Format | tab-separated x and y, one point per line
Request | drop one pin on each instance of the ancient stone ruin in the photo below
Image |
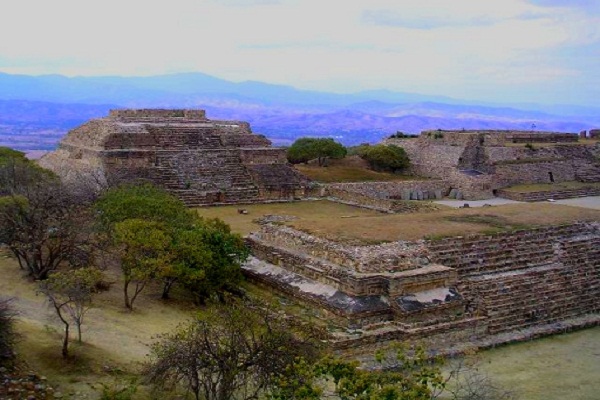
480	290
199	160
478	163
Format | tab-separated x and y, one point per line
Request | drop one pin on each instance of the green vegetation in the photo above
7	332
239	350
402	135
18	173
305	149
385	158
158	238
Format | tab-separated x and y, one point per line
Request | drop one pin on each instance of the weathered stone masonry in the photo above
441	292
479	162
201	161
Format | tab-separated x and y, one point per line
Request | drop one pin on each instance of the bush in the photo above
7	333
305	149
386	158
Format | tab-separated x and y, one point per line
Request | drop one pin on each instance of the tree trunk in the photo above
126	294
65	346
167	288
78	332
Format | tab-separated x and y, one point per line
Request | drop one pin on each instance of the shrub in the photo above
305	149
387	158
7	333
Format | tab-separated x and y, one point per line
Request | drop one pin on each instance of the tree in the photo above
145	202
233	351
70	294
144	248
382	157
7	332
306	149
210	258
17	173
45	227
201	254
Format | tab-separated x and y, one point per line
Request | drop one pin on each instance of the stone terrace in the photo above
201	161
445	291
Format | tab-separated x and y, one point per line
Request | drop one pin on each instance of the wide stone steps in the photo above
503	252
538	295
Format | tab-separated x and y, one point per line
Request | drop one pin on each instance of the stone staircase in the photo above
201	179
502	252
528	294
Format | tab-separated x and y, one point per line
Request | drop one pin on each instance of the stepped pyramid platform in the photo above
202	161
447	292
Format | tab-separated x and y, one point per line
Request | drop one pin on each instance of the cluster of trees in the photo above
157	238
64	236
247	351
380	157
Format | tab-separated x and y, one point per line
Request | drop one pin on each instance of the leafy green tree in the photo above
306	149
144	248
145	202
17	173
207	258
203	255
387	158
70	294
230	352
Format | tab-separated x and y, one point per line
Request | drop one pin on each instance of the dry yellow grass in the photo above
380	228
319	209
115	342
349	169
355	225
547	187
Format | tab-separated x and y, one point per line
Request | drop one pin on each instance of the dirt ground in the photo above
115	341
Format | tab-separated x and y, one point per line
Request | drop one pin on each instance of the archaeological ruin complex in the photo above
478	163
480	290
199	160
462	289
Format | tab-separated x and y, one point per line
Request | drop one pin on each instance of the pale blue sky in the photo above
494	50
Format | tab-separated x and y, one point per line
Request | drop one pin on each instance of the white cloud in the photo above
462	48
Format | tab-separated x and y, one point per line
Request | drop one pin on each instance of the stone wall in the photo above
513	280
157	114
390	257
549	194
478	162
391	190
379	204
509	174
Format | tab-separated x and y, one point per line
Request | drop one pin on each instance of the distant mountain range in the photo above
35	111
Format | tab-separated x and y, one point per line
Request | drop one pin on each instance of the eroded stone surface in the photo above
199	160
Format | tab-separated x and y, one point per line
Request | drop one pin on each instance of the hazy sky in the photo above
497	50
